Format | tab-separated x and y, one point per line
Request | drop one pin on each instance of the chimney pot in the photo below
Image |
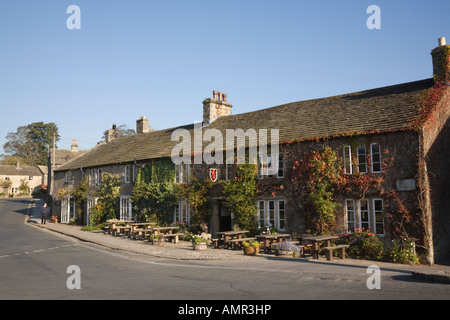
220	96
215	94
224	97
442	41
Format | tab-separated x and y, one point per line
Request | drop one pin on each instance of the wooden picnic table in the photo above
317	240
135	228
228	235
113	227
267	239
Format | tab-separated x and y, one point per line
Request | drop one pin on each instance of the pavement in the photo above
183	250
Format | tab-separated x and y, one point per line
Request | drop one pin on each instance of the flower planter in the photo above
250	250
201	246
157	242
284	253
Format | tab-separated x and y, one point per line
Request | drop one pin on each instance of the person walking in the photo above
44	212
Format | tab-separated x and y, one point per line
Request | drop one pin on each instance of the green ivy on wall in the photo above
155	192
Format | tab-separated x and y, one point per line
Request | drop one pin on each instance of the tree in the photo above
31	142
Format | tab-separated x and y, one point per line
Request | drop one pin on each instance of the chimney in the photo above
74	147
215	107
17	164
441	62
142	125
111	134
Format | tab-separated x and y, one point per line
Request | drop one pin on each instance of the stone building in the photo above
393	143
20	180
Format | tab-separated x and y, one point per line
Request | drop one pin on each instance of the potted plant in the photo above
251	248
286	249
156	239
199	243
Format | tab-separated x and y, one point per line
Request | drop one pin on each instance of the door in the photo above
67	209
224	217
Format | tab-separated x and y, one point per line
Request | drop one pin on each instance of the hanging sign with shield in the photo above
213	174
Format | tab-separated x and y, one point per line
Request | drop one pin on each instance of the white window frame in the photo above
375	222
91	203
272	217
360	214
358	155
182	173
347	211
67	209
347	159
126	208
128	173
68	177
372	158
182	212
93	177
268	166
261	214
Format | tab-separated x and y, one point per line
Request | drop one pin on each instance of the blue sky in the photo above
161	58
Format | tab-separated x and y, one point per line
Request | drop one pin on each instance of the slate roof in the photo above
19	171
378	110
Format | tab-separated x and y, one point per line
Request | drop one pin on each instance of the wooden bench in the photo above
216	242
120	229
173	237
237	243
303	247
340	248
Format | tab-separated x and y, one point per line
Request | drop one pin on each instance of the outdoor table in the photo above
228	235
135	226
268	238
112	224
316	241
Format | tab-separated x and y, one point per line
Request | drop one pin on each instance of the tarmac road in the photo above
34	265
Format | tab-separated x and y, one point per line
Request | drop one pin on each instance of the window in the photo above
91	203
128	174
271	213
367	215
362	161
261	214
270	165
182	172
280	173
364	214
228	172
378	216
182	212
93	177
375	155
68	177
350	214
99	176
30	178
125	208
347	155
281	215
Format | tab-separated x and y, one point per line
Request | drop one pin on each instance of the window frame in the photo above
358	159
347	158
372	162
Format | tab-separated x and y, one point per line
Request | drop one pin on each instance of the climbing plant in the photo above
108	200
197	193
154	193
241	195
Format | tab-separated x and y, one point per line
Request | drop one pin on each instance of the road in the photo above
34	265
